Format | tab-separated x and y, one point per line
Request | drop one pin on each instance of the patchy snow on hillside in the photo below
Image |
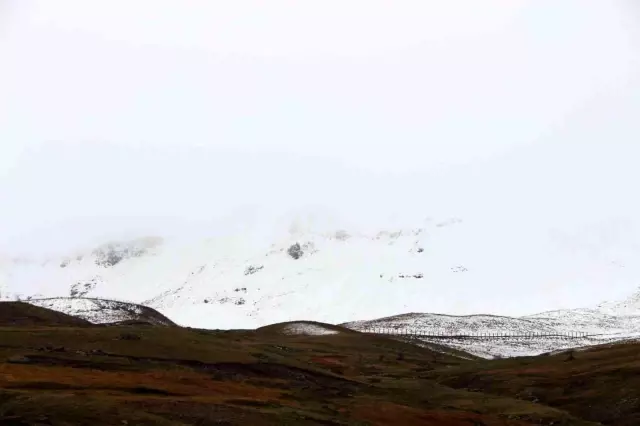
307	329
513	347
100	311
559	329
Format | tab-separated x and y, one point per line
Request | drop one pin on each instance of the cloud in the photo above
139	115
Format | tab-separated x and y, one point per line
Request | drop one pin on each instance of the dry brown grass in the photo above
175	383
174	376
601	384
384	413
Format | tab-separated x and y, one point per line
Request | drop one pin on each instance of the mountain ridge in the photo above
246	276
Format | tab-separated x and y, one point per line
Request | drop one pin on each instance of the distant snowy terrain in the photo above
265	269
512	347
597	326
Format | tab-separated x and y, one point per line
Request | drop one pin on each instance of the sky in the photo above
137	117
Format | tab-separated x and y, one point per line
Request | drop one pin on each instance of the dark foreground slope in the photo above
23	314
601	383
56	373
140	375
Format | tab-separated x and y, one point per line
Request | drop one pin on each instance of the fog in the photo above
161	117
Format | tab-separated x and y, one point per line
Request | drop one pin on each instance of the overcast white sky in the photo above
132	114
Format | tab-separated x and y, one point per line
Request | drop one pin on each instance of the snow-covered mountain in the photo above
264	268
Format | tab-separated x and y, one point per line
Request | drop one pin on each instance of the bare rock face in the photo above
82	288
111	254
252	269
295	251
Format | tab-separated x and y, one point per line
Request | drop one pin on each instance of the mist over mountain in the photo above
465	160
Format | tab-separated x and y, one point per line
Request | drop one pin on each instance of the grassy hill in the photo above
600	383
71	374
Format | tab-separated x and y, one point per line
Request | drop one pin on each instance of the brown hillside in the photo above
298	327
24	314
601	384
141	375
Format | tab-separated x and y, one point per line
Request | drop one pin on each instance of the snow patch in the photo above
98	311
307	329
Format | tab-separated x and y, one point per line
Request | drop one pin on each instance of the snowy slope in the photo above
627	306
513	347
245	276
99	311
307	329
599	325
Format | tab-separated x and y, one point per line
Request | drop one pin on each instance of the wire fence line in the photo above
447	334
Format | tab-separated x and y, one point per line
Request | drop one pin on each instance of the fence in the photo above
445	334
